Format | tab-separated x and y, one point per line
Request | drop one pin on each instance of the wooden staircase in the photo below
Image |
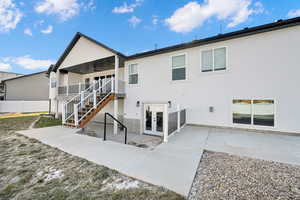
105	99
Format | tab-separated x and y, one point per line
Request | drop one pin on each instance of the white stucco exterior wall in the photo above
261	66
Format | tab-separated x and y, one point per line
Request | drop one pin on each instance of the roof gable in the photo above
88	49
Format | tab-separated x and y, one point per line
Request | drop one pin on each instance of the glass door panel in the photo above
159	121
148	120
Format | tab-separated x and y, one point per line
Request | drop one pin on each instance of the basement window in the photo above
133	74
179	67
254	112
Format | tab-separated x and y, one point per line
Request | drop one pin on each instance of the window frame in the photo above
185	66
129	74
252	125
213	59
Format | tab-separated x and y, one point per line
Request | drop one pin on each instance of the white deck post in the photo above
166	120
67	89
79	88
75	115
112	85
81	98
116	101
105	86
99	86
178	118
95	95
63	113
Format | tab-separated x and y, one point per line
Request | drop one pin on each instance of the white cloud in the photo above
134	21
38	23
65	9
125	8
154	20
293	13
5	67
90	5
27	62
28	31
48	30
10	15
193	14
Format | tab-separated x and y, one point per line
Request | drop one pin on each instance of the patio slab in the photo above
173	168
172	165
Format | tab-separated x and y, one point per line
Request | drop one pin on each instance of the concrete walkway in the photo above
173	164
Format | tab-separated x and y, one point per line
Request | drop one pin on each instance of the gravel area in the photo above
224	176
32	170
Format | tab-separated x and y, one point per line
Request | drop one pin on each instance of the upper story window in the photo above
178	67
133	74
214	59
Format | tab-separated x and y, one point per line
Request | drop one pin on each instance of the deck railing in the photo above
78	88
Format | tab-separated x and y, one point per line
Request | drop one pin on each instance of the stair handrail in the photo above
88	96
120	123
78	95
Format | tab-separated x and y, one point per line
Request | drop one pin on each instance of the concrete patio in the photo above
173	164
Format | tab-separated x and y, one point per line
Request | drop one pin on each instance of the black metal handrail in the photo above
120	123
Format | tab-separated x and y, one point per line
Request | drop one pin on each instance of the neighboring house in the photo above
31	87
245	79
4	76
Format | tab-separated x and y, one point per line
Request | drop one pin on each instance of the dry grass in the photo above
32	170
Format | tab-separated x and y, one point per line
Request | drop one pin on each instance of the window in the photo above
178	67
263	112
87	83
53	84
133	74
242	111
213	60
255	112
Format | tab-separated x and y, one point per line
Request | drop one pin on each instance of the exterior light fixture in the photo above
138	104
169	104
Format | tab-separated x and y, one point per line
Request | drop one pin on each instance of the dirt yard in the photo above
32	170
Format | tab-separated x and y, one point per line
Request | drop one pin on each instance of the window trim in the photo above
137	72
252	125
171	66
213	59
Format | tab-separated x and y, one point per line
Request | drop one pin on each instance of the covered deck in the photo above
80	77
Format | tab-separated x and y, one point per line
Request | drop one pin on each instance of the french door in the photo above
154	119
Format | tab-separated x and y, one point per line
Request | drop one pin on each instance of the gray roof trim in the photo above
27	75
280	24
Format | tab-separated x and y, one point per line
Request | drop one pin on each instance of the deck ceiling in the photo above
94	66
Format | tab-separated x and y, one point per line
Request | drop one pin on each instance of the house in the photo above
4	76
31	87
245	79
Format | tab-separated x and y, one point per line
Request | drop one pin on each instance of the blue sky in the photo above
34	33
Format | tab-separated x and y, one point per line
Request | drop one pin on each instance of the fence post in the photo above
63	113
75	115
104	134
178	118
166	121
